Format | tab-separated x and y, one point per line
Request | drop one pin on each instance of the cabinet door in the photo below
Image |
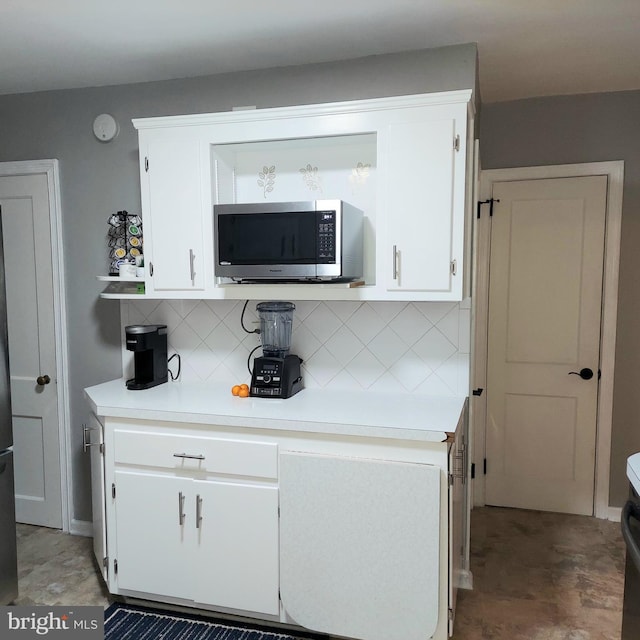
459	512
425	206
359	546
457	458
153	542
237	546
173	216
94	439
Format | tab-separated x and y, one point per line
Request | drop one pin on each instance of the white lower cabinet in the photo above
360	546
192	518
343	535
206	541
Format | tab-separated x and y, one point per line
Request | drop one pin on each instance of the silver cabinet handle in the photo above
86	443
188	455
198	511
181	508
461	457
151	268
395	262
192	257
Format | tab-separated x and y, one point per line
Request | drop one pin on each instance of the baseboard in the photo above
81	528
465	580
614	514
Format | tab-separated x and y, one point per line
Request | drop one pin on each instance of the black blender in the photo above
277	373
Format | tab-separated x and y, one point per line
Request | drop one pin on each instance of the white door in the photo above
545	295
32	351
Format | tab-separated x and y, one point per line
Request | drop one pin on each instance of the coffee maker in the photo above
277	373
149	345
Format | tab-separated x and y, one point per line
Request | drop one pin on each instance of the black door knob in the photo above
42	380
585	374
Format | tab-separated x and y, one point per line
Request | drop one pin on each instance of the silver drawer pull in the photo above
198	511
181	508
188	455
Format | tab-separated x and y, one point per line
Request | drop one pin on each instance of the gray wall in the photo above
98	179
587	128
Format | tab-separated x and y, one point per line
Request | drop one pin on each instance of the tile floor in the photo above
542	576
57	569
537	576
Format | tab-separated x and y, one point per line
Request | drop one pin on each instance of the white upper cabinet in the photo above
176	243
425	182
402	160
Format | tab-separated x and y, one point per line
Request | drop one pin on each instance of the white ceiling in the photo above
526	47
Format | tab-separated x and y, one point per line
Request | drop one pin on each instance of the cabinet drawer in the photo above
194	453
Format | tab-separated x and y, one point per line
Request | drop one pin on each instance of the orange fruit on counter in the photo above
243	393
244	387
235	390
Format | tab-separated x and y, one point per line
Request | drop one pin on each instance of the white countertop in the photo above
359	413
633	471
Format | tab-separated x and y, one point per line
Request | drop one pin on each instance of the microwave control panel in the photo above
327	236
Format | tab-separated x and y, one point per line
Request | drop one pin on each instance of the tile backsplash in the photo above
411	347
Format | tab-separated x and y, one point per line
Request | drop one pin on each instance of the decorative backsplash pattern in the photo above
414	347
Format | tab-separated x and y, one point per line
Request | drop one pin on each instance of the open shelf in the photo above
119	279
122	288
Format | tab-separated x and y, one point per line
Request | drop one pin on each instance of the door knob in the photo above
585	374
42	380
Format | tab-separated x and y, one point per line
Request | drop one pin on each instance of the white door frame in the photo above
50	168
615	173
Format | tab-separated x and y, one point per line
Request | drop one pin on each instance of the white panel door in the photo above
547	246
32	353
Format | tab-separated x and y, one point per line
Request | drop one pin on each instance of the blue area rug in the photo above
129	622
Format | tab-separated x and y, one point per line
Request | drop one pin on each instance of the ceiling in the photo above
526	48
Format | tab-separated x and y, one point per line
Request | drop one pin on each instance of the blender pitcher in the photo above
276	320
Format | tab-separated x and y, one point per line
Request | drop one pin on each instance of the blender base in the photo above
276	377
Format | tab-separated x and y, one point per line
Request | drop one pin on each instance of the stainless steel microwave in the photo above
318	240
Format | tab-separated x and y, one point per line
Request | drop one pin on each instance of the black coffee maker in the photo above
149	345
